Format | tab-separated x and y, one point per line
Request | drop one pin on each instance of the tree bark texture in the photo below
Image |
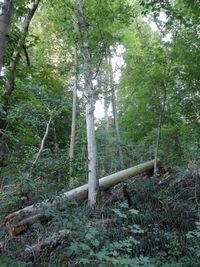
160	127
51	242
6	10
106	98
90	106
115	114
22	226
56	151
73	125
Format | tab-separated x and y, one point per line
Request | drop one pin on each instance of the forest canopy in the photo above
88	89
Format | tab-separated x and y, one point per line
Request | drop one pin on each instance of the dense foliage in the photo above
145	58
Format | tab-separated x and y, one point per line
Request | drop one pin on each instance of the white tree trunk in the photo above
106	100
73	125
92	178
106	105
90	105
102	82
115	113
6	10
163	104
56	151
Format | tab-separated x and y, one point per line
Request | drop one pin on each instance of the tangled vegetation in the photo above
88	89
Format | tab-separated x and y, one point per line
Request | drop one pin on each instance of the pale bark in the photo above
56	150
102	85
90	105
80	193
115	114
106	100
42	143
164	88
53	241
106	105
6	11
73	125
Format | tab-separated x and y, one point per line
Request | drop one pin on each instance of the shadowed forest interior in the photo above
99	133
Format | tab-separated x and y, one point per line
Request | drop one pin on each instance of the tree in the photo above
115	112
73	124
10	76
88	94
6	10
160	121
8	87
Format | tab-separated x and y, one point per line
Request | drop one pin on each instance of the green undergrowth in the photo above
160	228
6	261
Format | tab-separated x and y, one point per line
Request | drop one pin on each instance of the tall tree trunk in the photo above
6	10
9	85
157	144
115	114
73	125
56	151
106	99
162	111
90	105
106	105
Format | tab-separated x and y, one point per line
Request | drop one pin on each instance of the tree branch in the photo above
27	56
42	143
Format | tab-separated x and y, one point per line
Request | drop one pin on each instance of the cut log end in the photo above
51	242
23	226
79	193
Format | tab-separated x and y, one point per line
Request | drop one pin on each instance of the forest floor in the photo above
154	222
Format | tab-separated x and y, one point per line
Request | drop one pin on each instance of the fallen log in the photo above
113	195
79	193
50	243
24	225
